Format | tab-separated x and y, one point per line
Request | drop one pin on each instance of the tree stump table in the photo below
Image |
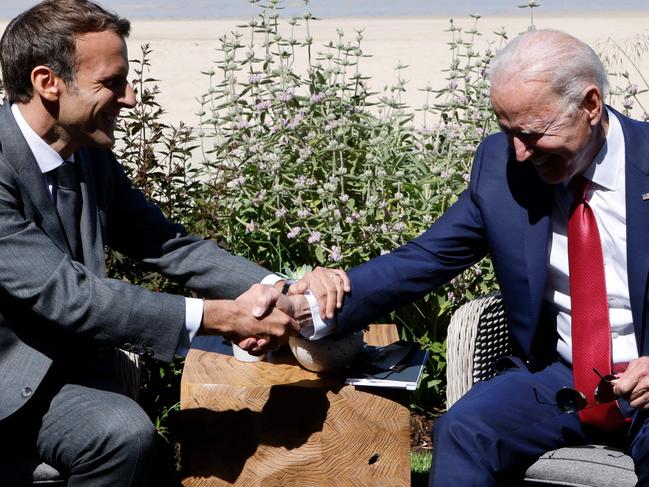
275	424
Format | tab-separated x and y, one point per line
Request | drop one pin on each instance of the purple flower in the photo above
300	182
291	124
286	95
263	105
251	227
279	213
294	232
306	153
242	123
317	97
314	237
335	255
254	79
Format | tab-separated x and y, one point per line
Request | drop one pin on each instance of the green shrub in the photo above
312	168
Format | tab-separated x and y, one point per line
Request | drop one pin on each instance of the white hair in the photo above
551	56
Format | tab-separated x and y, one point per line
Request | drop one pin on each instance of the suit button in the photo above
149	353
26	392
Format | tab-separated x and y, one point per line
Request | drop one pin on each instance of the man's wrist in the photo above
284	285
215	313
301	310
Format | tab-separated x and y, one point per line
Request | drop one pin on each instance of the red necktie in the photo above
591	329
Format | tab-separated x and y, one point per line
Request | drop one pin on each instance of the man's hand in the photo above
254	320
327	285
295	306
633	384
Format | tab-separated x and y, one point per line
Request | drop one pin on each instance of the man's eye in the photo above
111	83
528	137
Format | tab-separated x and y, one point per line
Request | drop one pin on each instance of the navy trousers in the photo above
501	426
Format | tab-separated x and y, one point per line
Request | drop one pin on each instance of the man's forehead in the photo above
533	100
91	42
97	48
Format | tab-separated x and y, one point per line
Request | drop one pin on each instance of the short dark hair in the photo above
46	35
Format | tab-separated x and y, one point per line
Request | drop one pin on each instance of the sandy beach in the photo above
184	48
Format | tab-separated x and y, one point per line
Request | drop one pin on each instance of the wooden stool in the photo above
275	424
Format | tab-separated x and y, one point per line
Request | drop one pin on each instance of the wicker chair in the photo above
31	471
477	335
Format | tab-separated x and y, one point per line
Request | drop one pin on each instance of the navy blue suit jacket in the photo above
505	212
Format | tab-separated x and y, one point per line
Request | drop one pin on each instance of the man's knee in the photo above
102	431
125	429
458	425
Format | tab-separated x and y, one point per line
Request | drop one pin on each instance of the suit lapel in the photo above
537	234
533	206
30	178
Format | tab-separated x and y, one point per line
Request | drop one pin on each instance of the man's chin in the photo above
101	141
549	177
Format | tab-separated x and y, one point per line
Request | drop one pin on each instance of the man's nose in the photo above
522	150
128	97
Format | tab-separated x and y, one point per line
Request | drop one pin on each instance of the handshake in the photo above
263	317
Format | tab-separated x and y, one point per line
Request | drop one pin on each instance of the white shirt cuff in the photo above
271	279
320	328
193	318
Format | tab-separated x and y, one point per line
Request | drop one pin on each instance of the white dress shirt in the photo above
606	198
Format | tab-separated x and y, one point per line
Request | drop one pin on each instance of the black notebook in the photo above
398	365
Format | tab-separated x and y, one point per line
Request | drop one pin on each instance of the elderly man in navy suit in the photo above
558	199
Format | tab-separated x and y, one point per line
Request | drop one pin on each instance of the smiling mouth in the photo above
111	119
540	162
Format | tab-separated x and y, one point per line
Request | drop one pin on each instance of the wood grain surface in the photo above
276	424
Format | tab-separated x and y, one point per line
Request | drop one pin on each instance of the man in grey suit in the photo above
65	67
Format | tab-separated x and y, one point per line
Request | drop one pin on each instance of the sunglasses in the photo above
570	400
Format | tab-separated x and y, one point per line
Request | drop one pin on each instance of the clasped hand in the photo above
263	318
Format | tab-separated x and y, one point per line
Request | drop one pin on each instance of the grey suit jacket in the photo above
51	305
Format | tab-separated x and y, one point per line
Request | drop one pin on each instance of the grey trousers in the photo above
80	422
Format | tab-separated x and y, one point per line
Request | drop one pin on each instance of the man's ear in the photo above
592	103
46	83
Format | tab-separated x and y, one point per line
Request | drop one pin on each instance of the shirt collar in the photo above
609	161
46	157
